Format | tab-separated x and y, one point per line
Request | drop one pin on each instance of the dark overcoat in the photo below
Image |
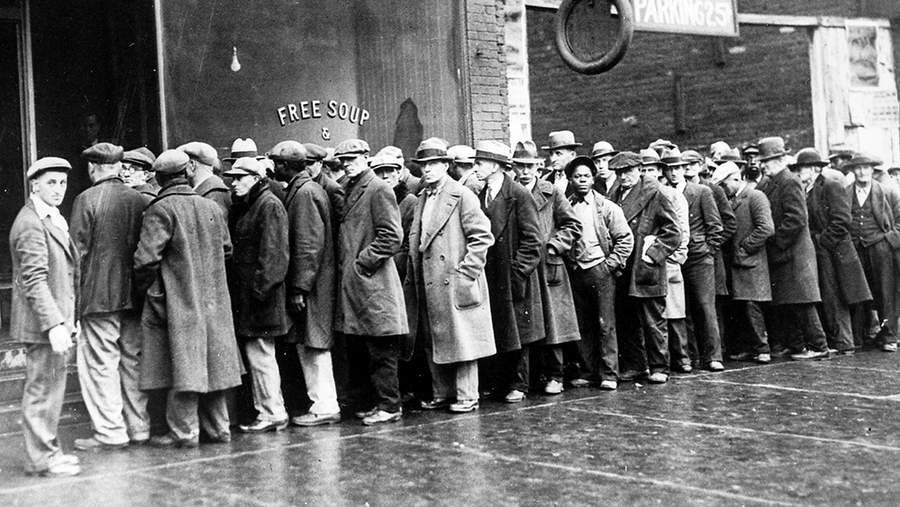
447	256
189	341
335	193
214	189
728	228
370	297
793	271
560	228
829	225
105	223
705	225
406	200
511	266
312	272
46	266
649	213
148	190
259	265
747	260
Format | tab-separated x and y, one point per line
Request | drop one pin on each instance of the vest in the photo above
863	227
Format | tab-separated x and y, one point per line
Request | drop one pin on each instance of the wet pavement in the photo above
819	433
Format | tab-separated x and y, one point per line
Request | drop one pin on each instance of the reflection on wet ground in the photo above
786	433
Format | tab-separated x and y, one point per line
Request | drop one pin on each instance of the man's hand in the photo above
60	339
298	303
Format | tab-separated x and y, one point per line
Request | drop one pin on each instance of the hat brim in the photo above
493	158
774	155
550	148
237	172
605	154
392	165
436	157
850	164
798	165
527	160
469	160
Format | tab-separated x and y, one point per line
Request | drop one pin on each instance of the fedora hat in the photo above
433	148
242	148
750	149
526	153
808	156
771	147
861	159
494	151
561	139
462	154
662	144
45	164
602	149
672	158
650	157
580	161
732	155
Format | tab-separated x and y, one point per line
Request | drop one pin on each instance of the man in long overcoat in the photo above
448	244
792	258
641	291
560	229
311	281
842	282
105	223
189	343
200	174
511	270
371	307
748	263
259	265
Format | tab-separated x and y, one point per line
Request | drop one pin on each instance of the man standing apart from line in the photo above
44	313
106	221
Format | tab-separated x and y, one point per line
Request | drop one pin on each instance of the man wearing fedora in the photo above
371	305
562	150
842	282
512	261
875	232
105	223
463	167
560	229
792	266
44	313
450	310
137	172
641	291
200	172
601	152
189	345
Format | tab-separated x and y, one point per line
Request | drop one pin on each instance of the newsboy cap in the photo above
624	161
351	148
171	162
140	156
247	166
103	153
201	152
45	164
315	152
289	151
383	162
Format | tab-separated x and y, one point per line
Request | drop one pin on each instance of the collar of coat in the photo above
213	183
108	179
354	189
638	197
178	186
447	200
297	182
542	193
58	234
503	203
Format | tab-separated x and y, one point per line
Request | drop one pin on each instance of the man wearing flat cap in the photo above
463	167
875	232
792	267
200	174
371	305
561	146
512	261
641	291
315	162
105	223
842	282
137	172
189	345
44	313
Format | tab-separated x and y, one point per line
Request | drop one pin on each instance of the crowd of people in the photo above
306	284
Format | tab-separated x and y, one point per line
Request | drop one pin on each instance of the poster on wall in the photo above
862	49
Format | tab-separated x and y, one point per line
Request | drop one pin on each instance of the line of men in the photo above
489	273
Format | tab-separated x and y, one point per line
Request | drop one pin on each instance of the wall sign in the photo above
313	109
700	17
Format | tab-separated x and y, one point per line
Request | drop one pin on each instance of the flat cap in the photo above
201	152
171	162
624	161
140	156
291	151
315	152
392	151
45	164
247	165
351	148
103	153
384	162
462	154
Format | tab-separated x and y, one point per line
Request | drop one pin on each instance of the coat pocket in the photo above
646	274
744	260
553	270
466	292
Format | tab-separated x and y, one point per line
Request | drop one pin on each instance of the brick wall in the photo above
487	70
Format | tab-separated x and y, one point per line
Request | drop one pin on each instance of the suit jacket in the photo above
45	277
747	259
705	224
215	189
885	209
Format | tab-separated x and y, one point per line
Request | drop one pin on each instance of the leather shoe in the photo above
170	440
381	416
658	378
514	396
262	426
362	414
808	354
609	385
310	419
629	375
463	406
58	469
743	356
553	387
575	383
92	444
715	366
762	358
436	404
889	347
68	459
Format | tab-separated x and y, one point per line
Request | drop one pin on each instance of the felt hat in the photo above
45	164
103	153
462	154
433	148
494	151
691	156
672	157
650	157
602	149
242	148
861	159
526	153
771	147
561	139
201	152
732	155
808	156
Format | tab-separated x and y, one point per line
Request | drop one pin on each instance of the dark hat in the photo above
103	153
247	165
526	153
171	162
580	161
45	164
561	139
731	155
289	151
315	152
650	157
351	148
201	152
494	151
242	148
893	169
139	156
672	157
433	148
602	149
861	159
624	161
771	147
840	152
808	156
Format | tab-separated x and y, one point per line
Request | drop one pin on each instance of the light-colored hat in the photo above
433	148
242	148
45	164
288	151
861	159
526	153
462	154
650	157
384	161
494	151
201	152
672	157
724	170
561	139
315	152
602	149
247	165
351	148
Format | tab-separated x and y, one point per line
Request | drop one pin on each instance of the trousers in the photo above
594	294
42	401
265	378
318	374
454	380
189	412
383	352
700	300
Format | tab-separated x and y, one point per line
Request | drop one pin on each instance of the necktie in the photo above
575	199
488	198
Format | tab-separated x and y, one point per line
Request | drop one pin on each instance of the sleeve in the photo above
838	216
763	227
528	255
795	216
567	227
621	235
81	225
726	213
668	232
156	232
893	200
477	230
34	261
272	264
307	242
388	230
711	219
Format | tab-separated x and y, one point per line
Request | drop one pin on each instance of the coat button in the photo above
442	257
446	281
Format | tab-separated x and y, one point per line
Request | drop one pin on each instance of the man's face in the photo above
772	166
485	168
243	184
355	165
281	171
675	174
133	175
434	170
314	167
629	177
806	173
390	174
863	174
462	168
582	179
692	170
526	173
560	157
731	184
651	170
50	187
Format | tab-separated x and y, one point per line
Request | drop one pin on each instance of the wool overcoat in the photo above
748	261
189	341
726	213
676	305
214	189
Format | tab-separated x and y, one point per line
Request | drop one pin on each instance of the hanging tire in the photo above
609	58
